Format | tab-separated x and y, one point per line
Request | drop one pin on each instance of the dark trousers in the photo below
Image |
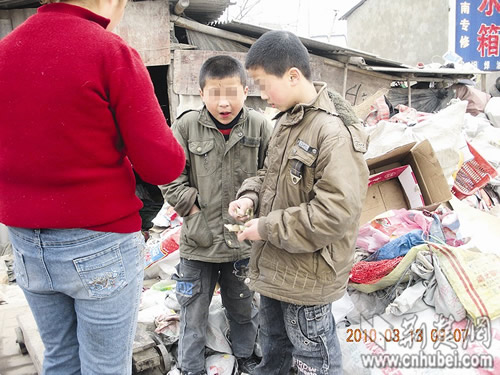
195	287
304	336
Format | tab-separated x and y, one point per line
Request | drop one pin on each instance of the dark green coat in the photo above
215	170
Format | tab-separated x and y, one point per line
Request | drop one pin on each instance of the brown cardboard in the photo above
389	195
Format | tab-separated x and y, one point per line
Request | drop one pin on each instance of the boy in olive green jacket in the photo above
224	143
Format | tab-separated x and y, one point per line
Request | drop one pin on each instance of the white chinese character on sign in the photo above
486	65
464	7
464	41
474	64
498	65
465	24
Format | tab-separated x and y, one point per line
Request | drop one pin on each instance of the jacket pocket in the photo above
102	273
196	232
188	283
301	166
249	154
205	159
317	320
326	266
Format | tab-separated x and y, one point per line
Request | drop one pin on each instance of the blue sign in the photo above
477	32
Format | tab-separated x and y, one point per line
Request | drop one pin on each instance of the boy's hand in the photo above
240	209
251	231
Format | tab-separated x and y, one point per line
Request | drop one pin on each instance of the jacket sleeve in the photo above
179	193
148	141
340	187
266	131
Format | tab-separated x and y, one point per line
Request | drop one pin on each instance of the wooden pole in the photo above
344	84
409	91
181	6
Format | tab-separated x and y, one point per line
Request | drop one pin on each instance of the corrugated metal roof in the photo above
14	4
314	46
371	62
204	11
425	72
212	43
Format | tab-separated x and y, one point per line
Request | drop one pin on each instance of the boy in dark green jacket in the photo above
225	143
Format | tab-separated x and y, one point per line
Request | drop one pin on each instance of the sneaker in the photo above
247	365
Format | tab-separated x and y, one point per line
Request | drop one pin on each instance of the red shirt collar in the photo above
75	11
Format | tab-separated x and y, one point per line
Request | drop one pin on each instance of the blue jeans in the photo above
83	288
194	290
304	336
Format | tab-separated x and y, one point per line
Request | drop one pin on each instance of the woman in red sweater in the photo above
77	113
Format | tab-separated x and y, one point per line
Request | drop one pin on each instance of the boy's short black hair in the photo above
276	52
222	66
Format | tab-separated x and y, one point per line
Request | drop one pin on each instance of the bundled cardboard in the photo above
421	165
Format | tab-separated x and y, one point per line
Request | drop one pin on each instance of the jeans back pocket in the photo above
102	273
20	269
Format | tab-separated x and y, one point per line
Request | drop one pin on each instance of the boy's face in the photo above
275	90
224	97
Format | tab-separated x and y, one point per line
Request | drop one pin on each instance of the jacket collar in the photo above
75	11
205	119
321	102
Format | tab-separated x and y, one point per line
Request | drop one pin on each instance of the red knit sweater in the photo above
77	110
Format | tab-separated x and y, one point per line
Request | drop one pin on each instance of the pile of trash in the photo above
420	291
465	132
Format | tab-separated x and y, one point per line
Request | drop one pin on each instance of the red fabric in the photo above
77	108
364	272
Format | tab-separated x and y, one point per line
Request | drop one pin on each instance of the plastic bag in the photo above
474	277
217	328
220	364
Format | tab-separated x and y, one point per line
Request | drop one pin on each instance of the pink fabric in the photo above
408	115
379	110
476	99
375	234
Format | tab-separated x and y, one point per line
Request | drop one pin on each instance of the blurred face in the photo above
224	97
275	90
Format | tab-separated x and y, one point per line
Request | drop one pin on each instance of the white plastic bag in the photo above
218	326
492	110
220	364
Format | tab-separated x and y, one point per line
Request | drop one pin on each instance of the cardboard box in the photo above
406	179
389	193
